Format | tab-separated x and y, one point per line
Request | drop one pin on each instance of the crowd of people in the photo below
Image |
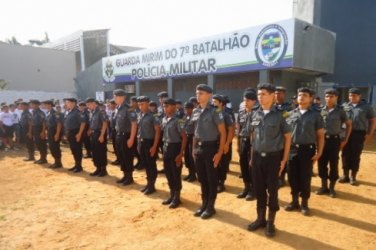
275	138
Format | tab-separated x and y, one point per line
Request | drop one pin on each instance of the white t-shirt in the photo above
6	119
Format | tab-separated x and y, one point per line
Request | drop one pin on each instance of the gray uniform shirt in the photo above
97	119
124	118
73	119
146	124
244	121
26	119
189	125
228	120
39	117
269	130
304	126
206	123
53	118
359	115
172	128
333	120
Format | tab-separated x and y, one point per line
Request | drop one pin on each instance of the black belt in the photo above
331	136
207	143
123	133
304	145
269	154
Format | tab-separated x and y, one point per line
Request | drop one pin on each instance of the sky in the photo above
140	23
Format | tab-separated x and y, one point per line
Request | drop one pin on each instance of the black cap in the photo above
112	101
218	98
250	95
204	87
162	94
48	102
82	104
188	105
153	104
71	99
306	90
134	98
267	86
119	92
169	101
280	88
34	101
226	99
24	103
90	99
355	91
177	101
192	99
143	99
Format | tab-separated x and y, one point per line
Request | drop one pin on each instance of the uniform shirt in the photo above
113	119
172	128
53	118
333	119
6	119
73	119
269	130
304	126
206	123
146	123
26	119
359	115
39	117
86	115
189	125
179	113
97	119
160	112
15	117
124	117
229	122
244	121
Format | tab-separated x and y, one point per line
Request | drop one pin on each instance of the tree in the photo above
40	42
13	41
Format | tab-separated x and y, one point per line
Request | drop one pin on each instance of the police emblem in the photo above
109	72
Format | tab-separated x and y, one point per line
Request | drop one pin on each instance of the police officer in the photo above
271	140
179	109
363	127
98	137
189	129
85	114
244	143
208	142
161	97
193	100
39	135
219	102
126	130
54	124
112	118
307	132
174	143
74	126
134	108
334	117
148	135
26	130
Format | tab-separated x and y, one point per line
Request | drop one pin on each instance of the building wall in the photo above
39	69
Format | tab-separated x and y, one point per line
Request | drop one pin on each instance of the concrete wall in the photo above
38	69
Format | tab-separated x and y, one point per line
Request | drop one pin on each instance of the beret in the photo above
82	103
178	101
251	95
49	102
218	97
119	92
143	99
355	91
153	104
162	94
134	98
34	101
267	86
90	99
169	101
71	99
280	88
188	105
204	87
192	99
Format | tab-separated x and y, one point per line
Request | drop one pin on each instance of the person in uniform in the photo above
179	109
307	132
219	102
113	130
54	126
134	108
363	119
208	144
244	143
153	107
74	126
174	143
284	107
85	138
161	97
271	140
189	129
26	130
148	134
39	127
334	117
98	137
193	100
126	130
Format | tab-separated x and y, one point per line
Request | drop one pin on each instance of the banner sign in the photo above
250	49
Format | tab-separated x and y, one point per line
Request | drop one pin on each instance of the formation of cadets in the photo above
275	138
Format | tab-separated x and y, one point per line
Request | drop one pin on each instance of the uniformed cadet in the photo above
126	130
363	119
54	125
153	107
208	144
26	130
85	138
161	97
307	132
74	126
134	107
39	126
188	157
98	137
113	131
148	134
284	107
244	143
271	140
179	109
334	117
219	102
193	100
174	143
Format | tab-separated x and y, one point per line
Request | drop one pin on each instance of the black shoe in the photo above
96	172
174	204
77	170
243	194
292	206
344	179
41	161
256	225
72	168
305	210
221	188
208	213
281	183
186	178
128	181
353	181
51	166
199	212
270	229
322	191
161	171
250	196
332	193
150	190
30	159
87	156
167	201
103	172
144	189
192	179
116	162
57	165
121	180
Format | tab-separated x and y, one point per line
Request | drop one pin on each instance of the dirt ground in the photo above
41	208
